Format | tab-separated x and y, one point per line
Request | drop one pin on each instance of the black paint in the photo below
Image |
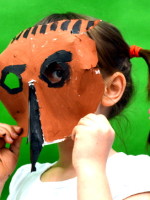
17	70
76	27
35	132
43	29
64	25
17	37
53	26
90	23
13	40
26	33
60	58
34	30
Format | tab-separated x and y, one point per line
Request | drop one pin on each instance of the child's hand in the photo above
93	137
8	156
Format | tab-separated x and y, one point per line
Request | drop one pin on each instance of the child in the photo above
101	172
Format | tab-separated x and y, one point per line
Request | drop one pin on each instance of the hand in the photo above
93	138
8	156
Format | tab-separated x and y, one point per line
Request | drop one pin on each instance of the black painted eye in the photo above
11	79
55	71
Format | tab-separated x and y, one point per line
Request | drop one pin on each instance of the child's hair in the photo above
113	53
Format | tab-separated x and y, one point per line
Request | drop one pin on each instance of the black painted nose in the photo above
35	131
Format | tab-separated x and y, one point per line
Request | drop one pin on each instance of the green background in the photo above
132	17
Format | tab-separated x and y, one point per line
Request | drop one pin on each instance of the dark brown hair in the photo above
113	53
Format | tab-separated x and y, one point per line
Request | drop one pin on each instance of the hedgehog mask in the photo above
50	79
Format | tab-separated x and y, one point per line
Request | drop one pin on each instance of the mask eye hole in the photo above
54	72
12	78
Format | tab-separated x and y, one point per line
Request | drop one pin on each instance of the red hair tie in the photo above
134	51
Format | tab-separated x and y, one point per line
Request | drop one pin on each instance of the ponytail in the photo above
136	51
146	55
139	52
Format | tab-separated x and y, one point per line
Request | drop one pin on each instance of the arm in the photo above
8	156
93	138
93	184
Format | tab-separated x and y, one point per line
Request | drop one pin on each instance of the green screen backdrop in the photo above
132	17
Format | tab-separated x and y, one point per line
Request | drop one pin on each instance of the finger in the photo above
11	128
98	118
2	143
9	133
91	116
8	139
15	146
86	121
2	132
5	133
76	130
18	129
73	134
6	127
14	135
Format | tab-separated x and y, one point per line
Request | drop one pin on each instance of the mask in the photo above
50	79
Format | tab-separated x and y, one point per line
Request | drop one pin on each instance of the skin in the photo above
88	161
8	156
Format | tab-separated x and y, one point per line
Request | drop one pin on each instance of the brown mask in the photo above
50	79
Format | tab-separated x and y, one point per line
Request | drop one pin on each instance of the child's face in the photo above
62	68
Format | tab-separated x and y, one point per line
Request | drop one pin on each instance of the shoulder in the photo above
128	174
25	171
125	157
129	163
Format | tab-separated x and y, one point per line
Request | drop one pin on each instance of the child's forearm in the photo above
92	143
92	183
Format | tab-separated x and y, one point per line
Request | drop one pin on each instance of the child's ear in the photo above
114	88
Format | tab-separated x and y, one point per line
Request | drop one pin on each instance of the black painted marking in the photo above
76	27
35	132
59	58
43	28
17	70
34	30
26	33
13	39
90	23
53	26
64	25
17	37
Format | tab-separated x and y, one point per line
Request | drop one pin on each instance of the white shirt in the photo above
127	175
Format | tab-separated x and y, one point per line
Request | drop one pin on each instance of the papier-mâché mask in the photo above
57	80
